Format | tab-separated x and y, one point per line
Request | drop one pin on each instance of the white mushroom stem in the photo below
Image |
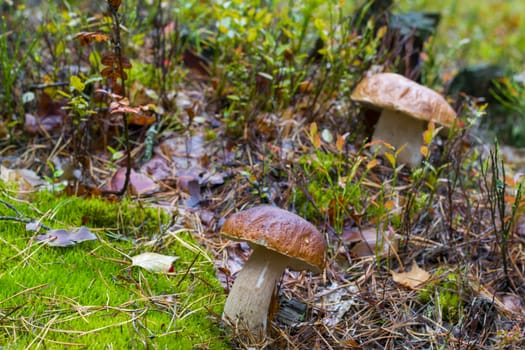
399	129
249	300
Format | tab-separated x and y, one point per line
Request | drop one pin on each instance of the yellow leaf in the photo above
340	143
371	164
313	129
390	204
77	83
306	86
400	149
424	151
427	137
412	279
381	32
431	126
316	140
391	159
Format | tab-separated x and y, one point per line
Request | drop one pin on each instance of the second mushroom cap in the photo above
398	93
406	107
281	231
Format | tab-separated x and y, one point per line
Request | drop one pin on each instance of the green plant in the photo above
13	56
113	65
54	181
424	180
495	181
330	186
443	297
511	95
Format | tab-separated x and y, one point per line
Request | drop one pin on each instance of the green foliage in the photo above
498	38
511	94
333	185
88	294
15	49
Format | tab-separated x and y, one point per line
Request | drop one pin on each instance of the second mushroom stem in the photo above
249	300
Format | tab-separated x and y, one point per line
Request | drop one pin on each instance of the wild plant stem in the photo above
118	53
496	191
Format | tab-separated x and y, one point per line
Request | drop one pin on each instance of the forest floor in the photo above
196	122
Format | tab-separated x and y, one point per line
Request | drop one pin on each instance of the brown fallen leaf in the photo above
50	116
370	242
158	168
196	63
40	125
190	184
139	183
412	279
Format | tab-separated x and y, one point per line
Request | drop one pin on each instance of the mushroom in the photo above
279	239
406	107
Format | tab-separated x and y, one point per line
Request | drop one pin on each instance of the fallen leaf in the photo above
190	184
26	179
306	86
184	152
154	262
369	242
33	226
519	225
338	301
158	168
196	63
213	179
50	116
63	238
412	279
41	125
514	304
139	183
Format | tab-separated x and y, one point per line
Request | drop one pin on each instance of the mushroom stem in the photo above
249	300
399	129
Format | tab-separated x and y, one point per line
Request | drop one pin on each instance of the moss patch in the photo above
88	295
442	296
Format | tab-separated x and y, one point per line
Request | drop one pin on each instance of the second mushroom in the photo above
279	239
405	108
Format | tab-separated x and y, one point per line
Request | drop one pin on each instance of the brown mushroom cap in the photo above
395	92
280	231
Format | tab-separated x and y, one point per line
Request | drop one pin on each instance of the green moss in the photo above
443	295
83	295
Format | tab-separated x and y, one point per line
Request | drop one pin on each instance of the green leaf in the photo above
76	83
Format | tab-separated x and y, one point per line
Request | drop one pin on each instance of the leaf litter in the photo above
64	238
